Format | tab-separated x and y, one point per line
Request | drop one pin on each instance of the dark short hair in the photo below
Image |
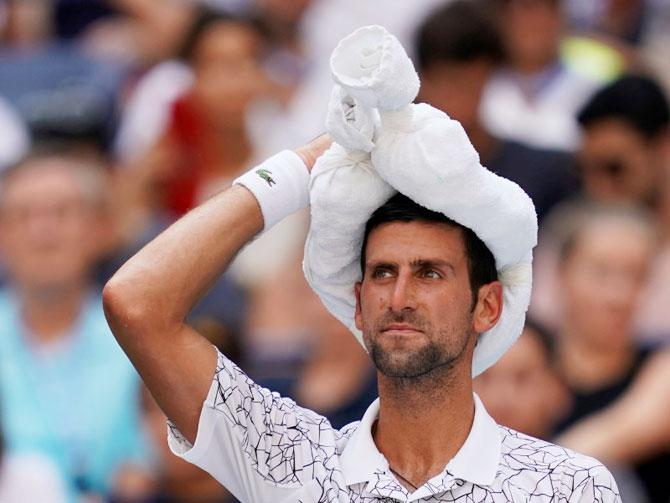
458	32
205	18
637	100
400	208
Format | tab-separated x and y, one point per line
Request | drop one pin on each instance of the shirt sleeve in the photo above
257	444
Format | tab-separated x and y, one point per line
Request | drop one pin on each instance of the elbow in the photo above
122	309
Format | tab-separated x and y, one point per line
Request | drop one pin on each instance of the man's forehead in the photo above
415	241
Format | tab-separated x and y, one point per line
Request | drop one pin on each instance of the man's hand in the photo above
312	151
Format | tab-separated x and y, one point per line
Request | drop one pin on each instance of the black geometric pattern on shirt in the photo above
291	446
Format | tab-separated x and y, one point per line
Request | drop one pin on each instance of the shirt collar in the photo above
476	461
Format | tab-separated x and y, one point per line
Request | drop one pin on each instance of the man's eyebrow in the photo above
380	263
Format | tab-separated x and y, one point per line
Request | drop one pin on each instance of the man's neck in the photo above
50	314
424	422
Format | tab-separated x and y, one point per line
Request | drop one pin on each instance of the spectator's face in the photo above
50	234
456	88
601	280
414	303
521	390
618	164
532	31
283	11
227	67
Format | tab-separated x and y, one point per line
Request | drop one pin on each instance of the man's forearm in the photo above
148	299
166	278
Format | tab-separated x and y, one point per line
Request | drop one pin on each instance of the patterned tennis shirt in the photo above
265	449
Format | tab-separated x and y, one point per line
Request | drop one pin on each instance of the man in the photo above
67	393
264	447
459	49
423	293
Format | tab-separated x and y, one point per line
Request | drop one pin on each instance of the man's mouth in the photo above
401	328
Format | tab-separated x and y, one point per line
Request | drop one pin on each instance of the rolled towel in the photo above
372	66
422	153
349	122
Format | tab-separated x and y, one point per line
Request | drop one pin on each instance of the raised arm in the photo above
148	299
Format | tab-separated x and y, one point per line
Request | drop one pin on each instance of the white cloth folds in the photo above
385	144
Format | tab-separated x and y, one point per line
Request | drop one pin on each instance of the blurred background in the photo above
118	116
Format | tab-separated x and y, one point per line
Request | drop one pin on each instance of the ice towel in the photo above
384	144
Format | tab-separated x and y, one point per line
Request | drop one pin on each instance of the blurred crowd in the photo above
118	116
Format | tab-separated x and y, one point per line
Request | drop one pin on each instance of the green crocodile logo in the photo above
265	175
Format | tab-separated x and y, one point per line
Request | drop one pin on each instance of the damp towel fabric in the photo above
384	144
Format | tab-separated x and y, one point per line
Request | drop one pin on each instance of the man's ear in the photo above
489	307
357	313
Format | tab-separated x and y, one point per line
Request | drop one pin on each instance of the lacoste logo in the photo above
265	175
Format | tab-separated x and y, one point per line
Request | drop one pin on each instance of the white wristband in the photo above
280	185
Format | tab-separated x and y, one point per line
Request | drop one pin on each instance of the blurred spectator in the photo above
14	141
126	31
625	145
330	373
199	125
29	477
523	390
206	142
536	97
619	19
68	391
178	481
26	24
62	95
625	158
458	50
605	258
285	61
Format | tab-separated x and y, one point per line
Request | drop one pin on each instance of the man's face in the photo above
49	233
618	164
414	305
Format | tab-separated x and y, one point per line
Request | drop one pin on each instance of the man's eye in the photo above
431	274
381	273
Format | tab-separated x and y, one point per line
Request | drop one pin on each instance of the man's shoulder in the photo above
523	455
519	449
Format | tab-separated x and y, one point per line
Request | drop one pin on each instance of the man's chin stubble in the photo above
427	362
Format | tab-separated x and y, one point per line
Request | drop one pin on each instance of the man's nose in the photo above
403	295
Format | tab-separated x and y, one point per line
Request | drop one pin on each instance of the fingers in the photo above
314	149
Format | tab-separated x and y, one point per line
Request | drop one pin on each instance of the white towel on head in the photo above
386	145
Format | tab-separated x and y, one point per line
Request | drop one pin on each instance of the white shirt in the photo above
266	449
